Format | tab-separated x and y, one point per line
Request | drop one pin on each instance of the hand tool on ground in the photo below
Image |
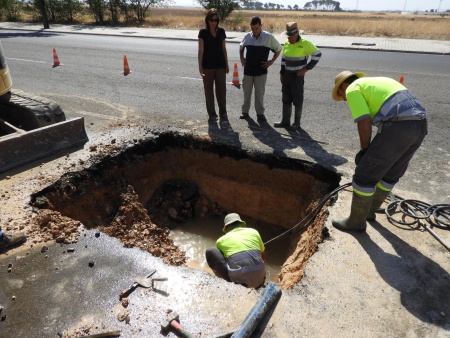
133	286
149	282
173	323
103	334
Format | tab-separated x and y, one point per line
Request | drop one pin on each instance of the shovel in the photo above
133	286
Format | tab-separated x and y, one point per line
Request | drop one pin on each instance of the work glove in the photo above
359	155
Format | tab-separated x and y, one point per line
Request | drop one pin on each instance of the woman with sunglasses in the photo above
213	64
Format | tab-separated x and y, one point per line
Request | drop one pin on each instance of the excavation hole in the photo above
169	193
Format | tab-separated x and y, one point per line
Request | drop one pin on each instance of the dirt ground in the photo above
390	281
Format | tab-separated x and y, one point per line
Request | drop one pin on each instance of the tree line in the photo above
65	11
316	5
113	11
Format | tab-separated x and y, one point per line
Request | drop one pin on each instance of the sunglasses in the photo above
213	20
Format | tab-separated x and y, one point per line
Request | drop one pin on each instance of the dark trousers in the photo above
246	267
389	153
217	263
292	89
217	78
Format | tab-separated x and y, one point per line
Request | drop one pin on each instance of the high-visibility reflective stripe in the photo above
295	64
363	191
295	56
382	185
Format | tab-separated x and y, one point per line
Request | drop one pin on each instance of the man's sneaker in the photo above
213	117
280	125
244	116
262	118
7	241
224	116
294	127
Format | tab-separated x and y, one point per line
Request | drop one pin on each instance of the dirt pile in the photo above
51	225
133	226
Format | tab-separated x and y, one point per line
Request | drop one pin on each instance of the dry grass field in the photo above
371	24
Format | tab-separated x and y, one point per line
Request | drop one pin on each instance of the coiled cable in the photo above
437	215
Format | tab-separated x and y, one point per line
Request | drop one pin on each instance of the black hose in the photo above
310	217
440	210
415	209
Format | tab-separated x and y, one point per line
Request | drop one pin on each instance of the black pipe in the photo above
269	296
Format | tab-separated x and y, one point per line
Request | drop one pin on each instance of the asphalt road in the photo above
165	89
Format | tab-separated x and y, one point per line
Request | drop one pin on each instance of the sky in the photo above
363	5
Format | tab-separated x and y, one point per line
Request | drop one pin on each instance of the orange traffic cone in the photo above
236	81
56	62
126	68
401	79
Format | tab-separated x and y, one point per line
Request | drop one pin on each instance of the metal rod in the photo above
434	235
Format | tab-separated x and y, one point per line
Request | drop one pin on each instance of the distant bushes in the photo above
74	11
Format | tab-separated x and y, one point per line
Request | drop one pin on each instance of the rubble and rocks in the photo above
125	302
173	201
51	225
133	226
124	316
179	200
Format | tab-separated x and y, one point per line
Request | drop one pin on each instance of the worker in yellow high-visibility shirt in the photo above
382	161
239	254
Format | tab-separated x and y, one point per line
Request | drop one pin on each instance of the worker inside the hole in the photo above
383	160
8	241
239	255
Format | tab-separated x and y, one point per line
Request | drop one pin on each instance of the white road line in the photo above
190	78
26	60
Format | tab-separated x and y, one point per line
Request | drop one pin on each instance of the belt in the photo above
406	118
401	118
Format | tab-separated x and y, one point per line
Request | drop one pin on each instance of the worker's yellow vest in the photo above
295	55
298	50
5	81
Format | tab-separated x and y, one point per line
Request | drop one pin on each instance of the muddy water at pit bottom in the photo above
199	234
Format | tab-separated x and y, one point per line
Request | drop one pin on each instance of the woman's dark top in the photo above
213	57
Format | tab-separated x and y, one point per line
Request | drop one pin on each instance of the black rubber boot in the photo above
286	120
8	241
297	118
378	198
358	214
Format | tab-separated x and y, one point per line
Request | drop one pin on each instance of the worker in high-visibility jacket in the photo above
239	255
383	160
294	65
